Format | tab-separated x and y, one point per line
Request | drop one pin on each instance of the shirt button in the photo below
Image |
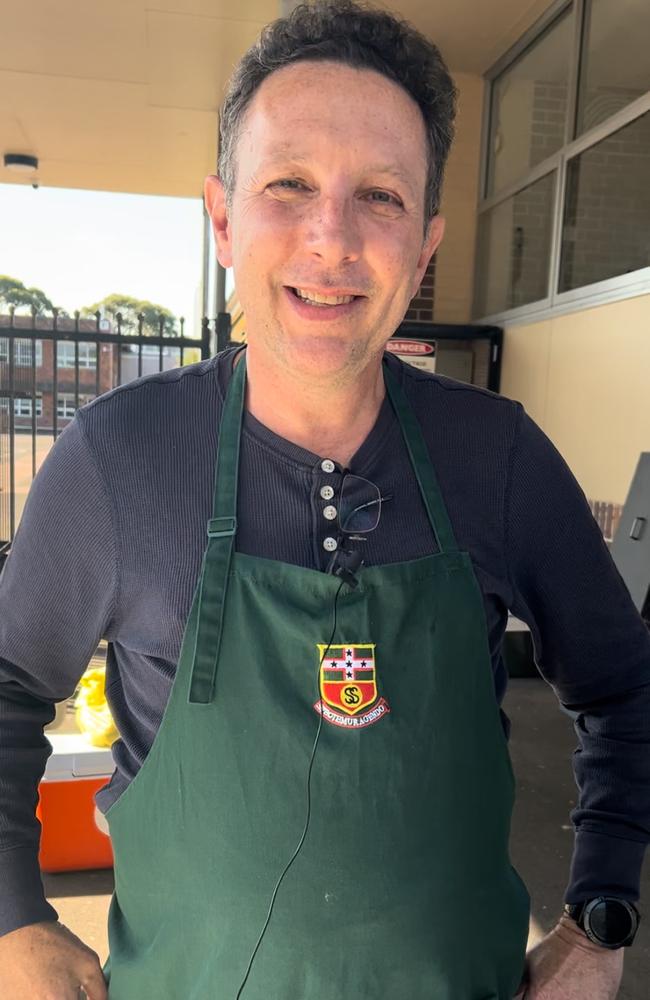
329	513
326	492
327	465
329	544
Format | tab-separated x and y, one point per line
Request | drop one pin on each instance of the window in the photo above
607	208
615	68
529	107
65	357
566	209
23	407
22	352
66	406
147	350
513	249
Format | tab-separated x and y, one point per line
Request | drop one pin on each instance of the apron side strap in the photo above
422	465
209	624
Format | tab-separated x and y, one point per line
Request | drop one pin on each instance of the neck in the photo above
331	418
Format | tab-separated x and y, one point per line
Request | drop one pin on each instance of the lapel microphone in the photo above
346	562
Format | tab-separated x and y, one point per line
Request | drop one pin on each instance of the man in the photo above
323	812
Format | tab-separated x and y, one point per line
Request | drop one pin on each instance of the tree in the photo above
25	300
130	308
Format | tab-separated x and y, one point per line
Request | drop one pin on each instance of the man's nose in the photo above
333	231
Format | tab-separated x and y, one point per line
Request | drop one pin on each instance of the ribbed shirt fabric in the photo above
111	541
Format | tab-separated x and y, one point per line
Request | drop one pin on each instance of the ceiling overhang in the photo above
124	96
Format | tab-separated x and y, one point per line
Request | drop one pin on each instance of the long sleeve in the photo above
592	646
57	594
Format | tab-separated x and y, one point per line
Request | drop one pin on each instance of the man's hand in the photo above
46	961
566	965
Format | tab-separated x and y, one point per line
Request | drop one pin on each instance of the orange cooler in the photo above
71	838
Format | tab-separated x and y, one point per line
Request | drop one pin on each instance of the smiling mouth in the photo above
316	299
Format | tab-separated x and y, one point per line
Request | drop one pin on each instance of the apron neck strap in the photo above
421	462
224	515
226	470
222	527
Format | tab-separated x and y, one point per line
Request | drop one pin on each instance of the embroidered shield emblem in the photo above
348	685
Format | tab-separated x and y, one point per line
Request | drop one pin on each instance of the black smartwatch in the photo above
607	921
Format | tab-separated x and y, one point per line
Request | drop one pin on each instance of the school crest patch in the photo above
348	687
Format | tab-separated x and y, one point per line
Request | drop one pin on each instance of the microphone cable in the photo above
303	835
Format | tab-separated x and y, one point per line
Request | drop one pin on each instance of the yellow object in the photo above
92	713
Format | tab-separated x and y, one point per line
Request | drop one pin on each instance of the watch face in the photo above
609	920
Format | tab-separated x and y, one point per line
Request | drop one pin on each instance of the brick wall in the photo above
530	246
445	295
548	119
421	307
608	202
454	272
608	208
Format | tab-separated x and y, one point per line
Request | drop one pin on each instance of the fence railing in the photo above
51	365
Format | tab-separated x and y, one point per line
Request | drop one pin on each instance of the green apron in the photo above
403	889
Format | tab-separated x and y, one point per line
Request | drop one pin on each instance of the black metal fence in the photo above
51	365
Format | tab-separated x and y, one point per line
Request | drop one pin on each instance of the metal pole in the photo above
221	289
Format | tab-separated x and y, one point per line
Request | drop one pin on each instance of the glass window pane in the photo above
23	353
66	353
514	249
529	104
607	208
615	67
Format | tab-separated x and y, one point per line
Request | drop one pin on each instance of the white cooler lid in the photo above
516	625
74	757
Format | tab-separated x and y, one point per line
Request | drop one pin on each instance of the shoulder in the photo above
155	404
445	405
165	385
156	422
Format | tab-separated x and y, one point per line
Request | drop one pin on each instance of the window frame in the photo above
556	303
80	350
66	398
19	345
18	400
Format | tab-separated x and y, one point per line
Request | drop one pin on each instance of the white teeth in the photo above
314	298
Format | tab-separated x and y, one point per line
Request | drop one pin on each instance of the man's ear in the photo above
215	203
433	239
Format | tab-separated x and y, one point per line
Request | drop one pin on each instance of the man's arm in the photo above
592	646
57	594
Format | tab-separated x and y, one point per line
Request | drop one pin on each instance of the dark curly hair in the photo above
364	38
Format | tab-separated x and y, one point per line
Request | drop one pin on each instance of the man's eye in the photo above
288	184
385	198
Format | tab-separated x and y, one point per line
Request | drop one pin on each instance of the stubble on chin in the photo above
313	359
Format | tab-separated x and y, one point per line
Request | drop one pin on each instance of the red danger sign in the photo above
412	347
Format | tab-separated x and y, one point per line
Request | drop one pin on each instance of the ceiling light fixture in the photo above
21	163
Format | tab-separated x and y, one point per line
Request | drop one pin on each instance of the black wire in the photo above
308	816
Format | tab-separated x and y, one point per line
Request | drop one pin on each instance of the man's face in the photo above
328	201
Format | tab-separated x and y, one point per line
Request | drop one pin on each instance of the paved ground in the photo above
542	742
23	466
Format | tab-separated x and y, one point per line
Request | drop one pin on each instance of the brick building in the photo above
55	383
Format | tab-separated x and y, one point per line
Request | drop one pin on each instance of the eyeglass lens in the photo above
359	505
